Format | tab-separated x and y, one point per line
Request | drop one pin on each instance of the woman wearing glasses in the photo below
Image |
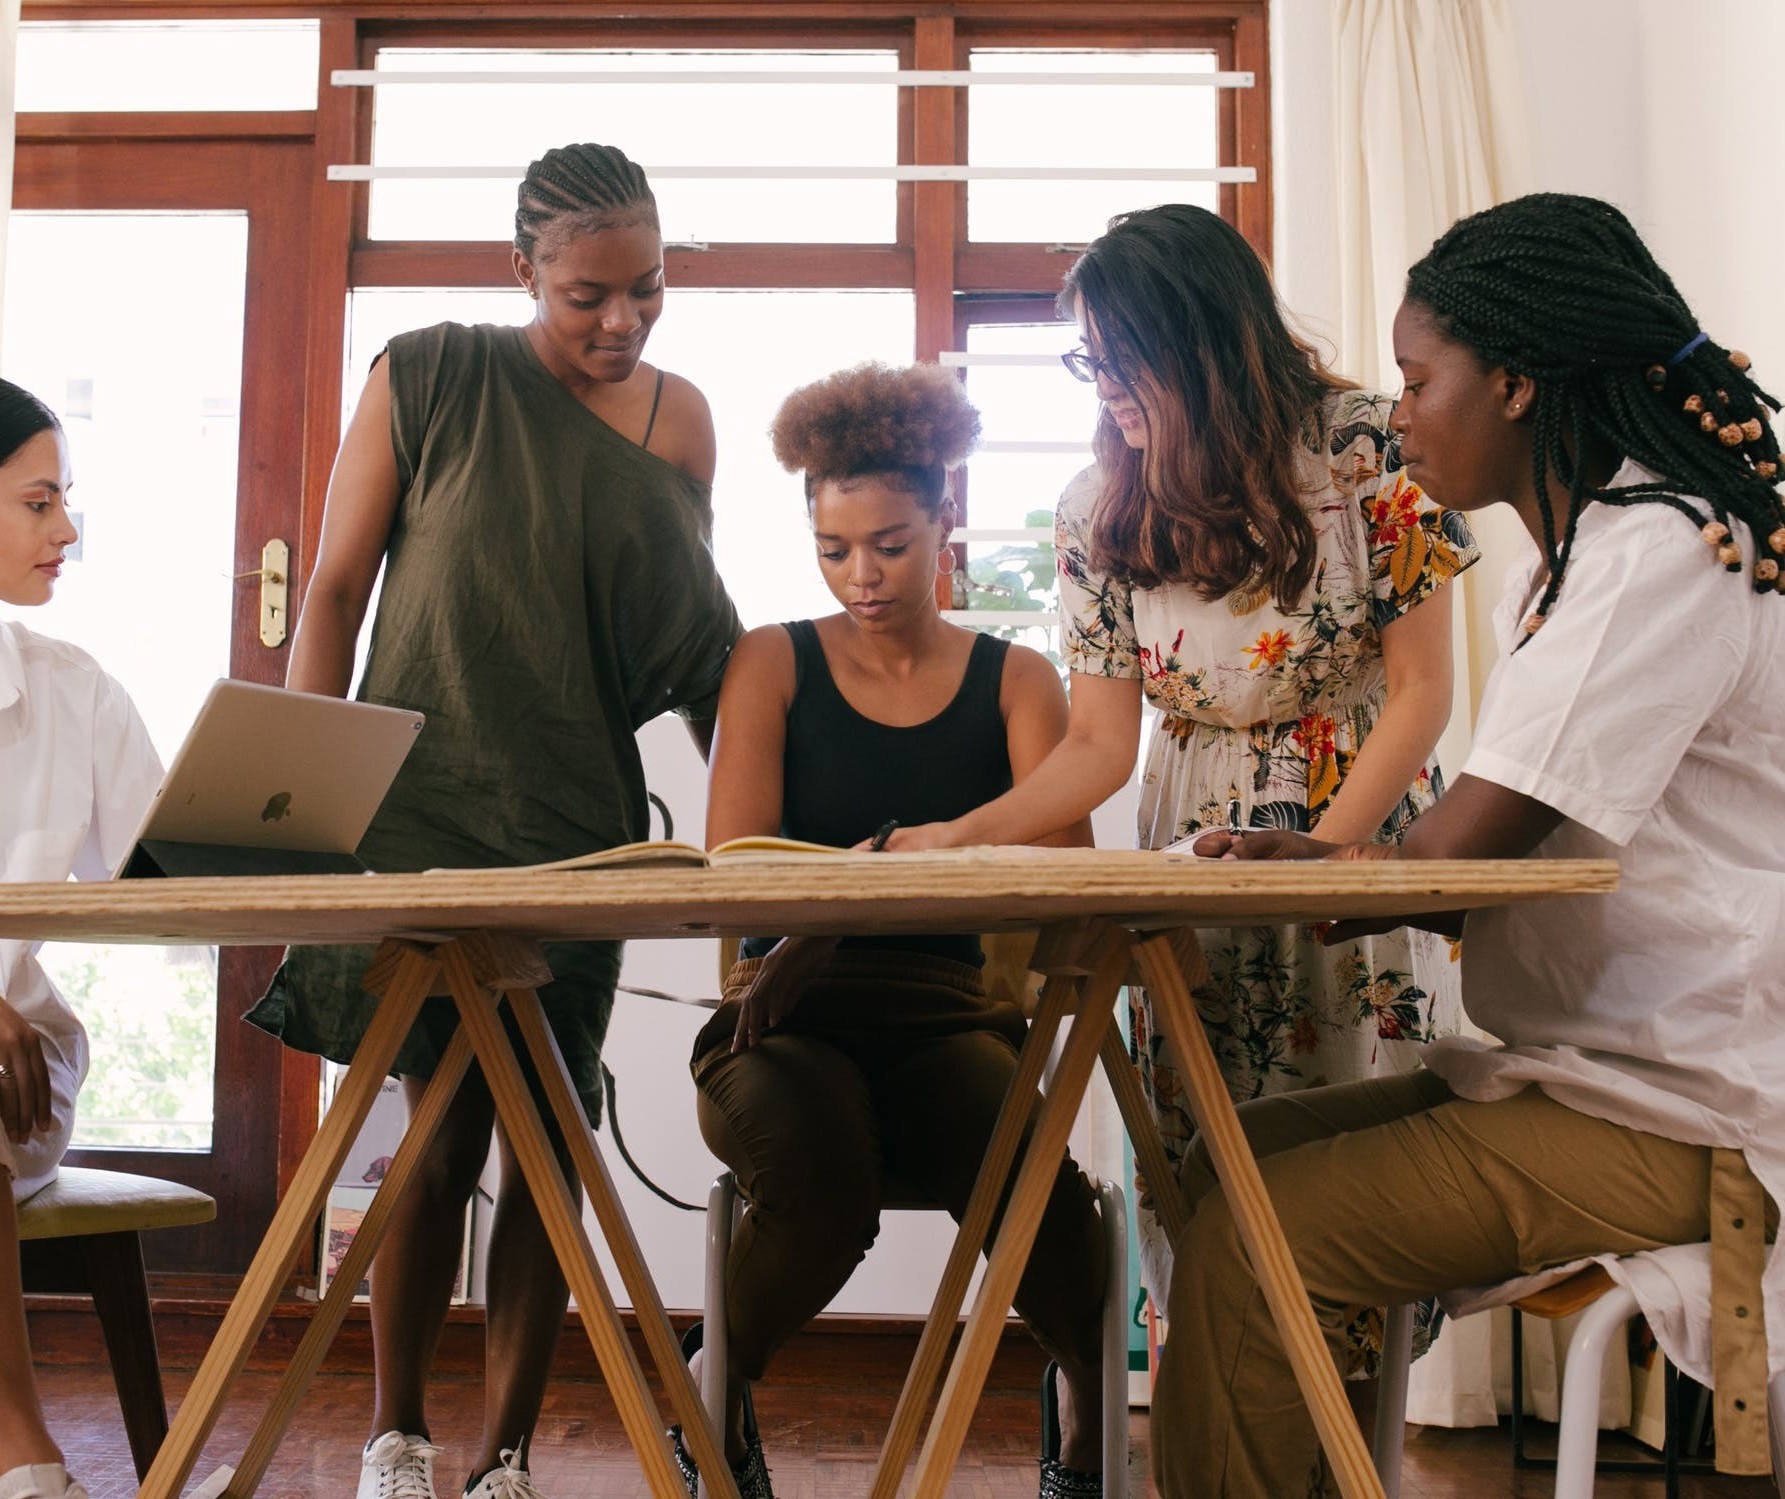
1247	555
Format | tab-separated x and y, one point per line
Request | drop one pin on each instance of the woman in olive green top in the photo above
539	500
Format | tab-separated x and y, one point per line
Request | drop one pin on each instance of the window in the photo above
151	421
760	537
664	126
73	66
809	276
1128	126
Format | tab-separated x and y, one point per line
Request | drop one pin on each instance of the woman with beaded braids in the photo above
834	1063
539	500
1634	714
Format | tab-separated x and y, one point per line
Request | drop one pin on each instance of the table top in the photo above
979	890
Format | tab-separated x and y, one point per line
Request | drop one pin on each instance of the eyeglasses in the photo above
1087	367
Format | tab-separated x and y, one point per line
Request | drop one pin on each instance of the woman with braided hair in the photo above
1633	1101
539	500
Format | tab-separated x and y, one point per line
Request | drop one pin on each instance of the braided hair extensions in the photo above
586	186
1561	289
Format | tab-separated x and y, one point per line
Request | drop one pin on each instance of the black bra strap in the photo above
651	422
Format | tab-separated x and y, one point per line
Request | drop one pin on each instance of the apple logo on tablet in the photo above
278	806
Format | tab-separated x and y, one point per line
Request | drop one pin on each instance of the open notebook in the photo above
672	851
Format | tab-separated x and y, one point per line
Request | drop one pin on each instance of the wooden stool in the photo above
80	1235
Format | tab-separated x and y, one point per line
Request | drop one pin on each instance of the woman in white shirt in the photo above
78	769
1635	714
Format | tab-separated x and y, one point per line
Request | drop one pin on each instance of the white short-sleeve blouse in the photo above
1649	709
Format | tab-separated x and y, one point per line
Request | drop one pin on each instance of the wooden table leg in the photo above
1016	1233
424	1124
1156	1169
559	1213
1057	998
622	1242
410	977
1259	1228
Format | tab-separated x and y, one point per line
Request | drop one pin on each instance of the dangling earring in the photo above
953	562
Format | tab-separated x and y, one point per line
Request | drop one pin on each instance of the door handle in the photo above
275	590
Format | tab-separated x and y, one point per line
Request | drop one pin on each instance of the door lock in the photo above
275	590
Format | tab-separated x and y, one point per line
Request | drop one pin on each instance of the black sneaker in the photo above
752	1474
1057	1480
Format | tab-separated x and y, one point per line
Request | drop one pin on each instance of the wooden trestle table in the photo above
1105	919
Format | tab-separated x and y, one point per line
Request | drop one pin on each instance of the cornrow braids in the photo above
1562	289
587	187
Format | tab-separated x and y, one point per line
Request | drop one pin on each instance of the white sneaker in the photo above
397	1467
507	1482
39	1481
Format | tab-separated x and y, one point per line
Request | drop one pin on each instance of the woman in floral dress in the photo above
1248	556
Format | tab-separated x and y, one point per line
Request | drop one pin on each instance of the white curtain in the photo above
1430	127
9	42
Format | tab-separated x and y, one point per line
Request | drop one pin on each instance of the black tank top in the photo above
844	775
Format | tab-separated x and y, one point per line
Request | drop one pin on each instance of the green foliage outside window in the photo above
151	1018
1017	578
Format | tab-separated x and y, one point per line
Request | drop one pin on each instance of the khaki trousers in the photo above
1388	1190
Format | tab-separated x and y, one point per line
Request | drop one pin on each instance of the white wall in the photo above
1670	111
1678	122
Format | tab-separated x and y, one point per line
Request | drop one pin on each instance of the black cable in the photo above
613	1124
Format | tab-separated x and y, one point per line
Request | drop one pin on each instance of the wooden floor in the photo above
821	1444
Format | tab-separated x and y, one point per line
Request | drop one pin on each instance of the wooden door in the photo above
129	257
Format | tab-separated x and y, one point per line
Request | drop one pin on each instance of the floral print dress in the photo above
1261	712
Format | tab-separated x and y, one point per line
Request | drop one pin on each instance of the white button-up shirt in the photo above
1649	710
77	769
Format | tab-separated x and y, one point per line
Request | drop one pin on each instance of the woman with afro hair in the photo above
836	1063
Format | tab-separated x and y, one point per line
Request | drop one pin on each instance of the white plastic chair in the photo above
1578	1424
726	1207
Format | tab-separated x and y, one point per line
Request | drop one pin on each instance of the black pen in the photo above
878	841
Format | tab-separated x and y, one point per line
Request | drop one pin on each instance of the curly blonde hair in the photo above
908	424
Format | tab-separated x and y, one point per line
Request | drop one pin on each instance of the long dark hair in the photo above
22	417
1562	289
1188	320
